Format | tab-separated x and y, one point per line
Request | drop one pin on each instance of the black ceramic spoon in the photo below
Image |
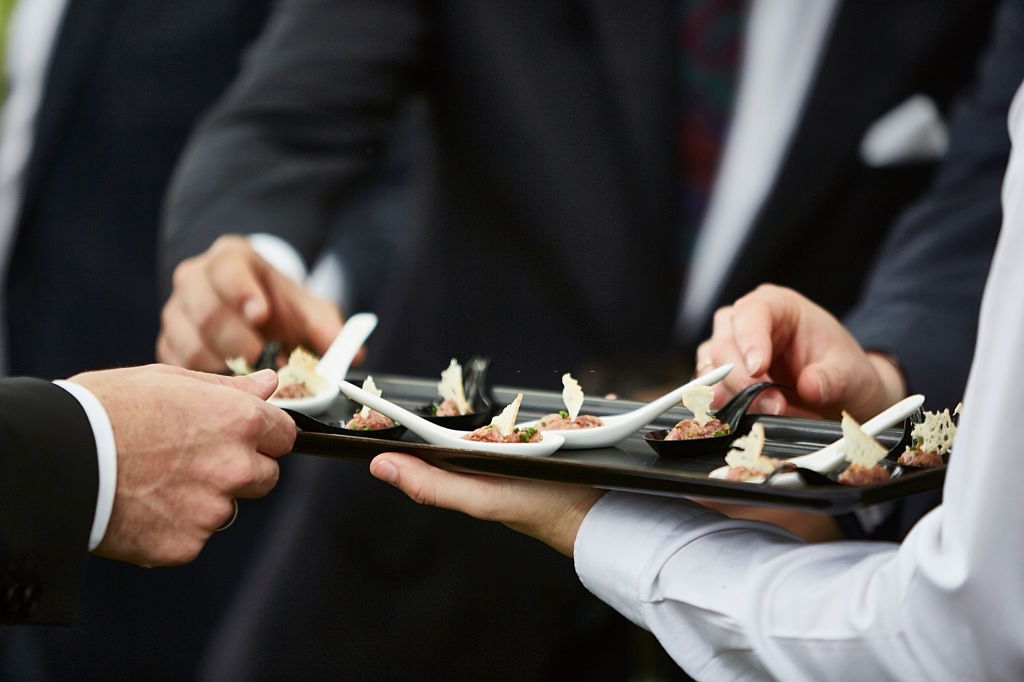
730	414
307	423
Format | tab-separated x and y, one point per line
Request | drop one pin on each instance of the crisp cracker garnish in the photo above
935	433
506	421
372	389
572	395
858	447
698	401
239	366
451	387
746	451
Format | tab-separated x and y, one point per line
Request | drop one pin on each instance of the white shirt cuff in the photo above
281	255
106	457
327	278
623	541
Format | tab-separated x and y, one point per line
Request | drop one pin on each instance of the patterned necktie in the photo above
709	48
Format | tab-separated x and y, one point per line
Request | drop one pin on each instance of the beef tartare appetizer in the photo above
746	463
864	454
502	428
367	419
296	379
930	440
570	417
702	424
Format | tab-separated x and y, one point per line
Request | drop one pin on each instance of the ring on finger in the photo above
235	514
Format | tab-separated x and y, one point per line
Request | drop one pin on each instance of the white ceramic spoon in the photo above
618	428
829	457
334	364
448	438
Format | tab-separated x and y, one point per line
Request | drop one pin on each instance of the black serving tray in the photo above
631	466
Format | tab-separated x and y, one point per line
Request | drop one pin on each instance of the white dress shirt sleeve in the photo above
738	600
327	278
106	455
281	255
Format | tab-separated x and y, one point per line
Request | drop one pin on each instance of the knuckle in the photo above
264	476
238	472
250	418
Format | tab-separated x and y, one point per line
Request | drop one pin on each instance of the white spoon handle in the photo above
335	362
828	458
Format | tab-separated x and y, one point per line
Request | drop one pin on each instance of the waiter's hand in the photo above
776	334
549	512
228	302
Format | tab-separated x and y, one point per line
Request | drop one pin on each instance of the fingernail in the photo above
771	405
752	362
252	310
264	375
823	388
384	470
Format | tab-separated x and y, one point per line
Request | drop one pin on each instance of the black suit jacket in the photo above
127	80
921	301
551	186
48	483
549	221
932	268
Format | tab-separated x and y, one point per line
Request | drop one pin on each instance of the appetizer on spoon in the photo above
617	428
930	440
465	400
322	379
831	456
452	438
705	432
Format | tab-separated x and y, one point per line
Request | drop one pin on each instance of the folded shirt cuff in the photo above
624	537
281	255
106	458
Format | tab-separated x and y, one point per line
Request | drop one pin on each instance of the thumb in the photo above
261	384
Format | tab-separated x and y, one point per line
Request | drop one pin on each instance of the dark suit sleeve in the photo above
306	120
48	483
923	296
922	300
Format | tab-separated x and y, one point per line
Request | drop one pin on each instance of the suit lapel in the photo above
77	46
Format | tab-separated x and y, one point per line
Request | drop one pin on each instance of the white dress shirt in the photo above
735	599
